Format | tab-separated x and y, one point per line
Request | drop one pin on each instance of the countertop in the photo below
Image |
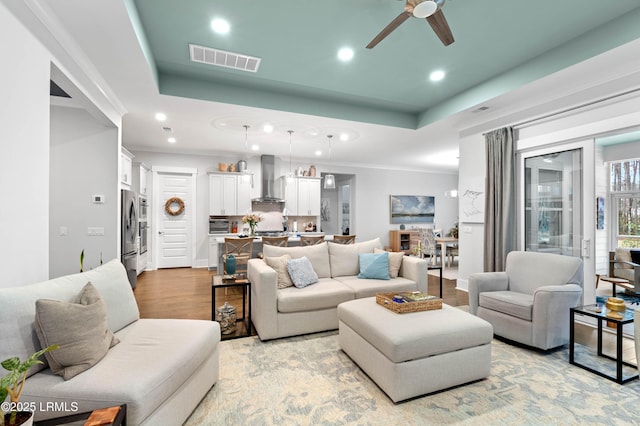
292	237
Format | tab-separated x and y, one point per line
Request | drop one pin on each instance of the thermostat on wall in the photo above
98	199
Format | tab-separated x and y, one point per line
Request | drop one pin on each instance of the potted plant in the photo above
12	383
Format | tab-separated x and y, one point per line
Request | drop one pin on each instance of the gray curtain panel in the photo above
500	201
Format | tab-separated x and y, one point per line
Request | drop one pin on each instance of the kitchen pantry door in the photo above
175	233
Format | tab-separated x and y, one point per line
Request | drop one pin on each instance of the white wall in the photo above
372	189
30	57
470	235
24	175
84	155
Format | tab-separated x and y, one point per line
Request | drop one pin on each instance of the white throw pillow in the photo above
395	262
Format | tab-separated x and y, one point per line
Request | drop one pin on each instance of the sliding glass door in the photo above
553	202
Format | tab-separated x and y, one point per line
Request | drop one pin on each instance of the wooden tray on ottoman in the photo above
386	300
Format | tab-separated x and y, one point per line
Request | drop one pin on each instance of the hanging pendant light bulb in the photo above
247	174
329	179
290	174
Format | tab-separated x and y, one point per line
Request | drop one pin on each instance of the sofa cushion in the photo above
512	303
154	358
18	311
374	266
326	293
80	329
317	254
301	272
368	287
395	261
344	257
279	264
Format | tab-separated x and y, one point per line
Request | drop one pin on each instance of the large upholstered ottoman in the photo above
416	353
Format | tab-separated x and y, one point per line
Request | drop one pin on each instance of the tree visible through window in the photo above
625	191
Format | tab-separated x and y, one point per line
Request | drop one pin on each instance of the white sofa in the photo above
161	368
292	311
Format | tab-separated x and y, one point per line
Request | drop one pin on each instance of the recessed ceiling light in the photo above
161	116
436	75
344	137
318	153
345	54
220	26
171	140
267	128
254	147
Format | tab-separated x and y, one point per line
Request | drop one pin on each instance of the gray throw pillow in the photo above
80	328
301	272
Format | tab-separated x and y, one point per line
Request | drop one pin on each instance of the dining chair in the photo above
282	241
344	239
311	240
240	248
276	241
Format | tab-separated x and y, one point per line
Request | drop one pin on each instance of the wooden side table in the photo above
240	280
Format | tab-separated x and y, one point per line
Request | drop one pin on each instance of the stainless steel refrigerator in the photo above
129	257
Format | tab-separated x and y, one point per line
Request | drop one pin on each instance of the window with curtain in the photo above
625	202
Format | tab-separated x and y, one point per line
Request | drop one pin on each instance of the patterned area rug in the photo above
308	380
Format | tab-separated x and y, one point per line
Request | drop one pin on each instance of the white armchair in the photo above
529	302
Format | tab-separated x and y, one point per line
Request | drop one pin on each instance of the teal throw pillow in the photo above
301	272
374	266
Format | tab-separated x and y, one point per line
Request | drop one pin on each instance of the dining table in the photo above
444	244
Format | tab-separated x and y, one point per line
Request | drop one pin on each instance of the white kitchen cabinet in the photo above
126	167
309	197
140	173
213	252
244	194
301	195
229	194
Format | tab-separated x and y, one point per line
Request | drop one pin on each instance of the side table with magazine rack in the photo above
230	281
627	317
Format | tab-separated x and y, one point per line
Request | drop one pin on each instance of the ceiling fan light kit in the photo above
424	9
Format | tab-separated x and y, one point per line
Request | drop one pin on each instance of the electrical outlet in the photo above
63	231
97	199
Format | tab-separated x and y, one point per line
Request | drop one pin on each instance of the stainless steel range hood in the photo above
267	167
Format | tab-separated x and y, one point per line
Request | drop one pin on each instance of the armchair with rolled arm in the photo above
529	302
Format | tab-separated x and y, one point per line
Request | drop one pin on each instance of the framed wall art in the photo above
412	208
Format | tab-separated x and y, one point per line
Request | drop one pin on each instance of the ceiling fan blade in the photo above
441	27
389	28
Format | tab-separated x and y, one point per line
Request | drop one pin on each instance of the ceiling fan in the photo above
429	9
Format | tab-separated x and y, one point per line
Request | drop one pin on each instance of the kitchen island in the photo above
216	246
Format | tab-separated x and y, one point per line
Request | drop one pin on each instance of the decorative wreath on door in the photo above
174	206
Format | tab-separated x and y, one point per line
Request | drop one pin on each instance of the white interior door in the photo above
175	232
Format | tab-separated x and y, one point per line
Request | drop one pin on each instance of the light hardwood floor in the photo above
186	293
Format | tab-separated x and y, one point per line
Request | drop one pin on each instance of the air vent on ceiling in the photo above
480	109
208	55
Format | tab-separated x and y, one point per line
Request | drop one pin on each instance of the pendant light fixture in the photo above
290	174
329	179
247	174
